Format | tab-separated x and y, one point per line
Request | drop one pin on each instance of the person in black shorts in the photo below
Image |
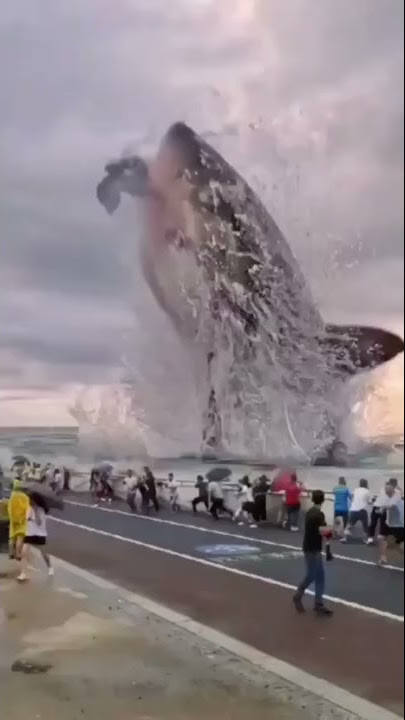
36	535
378	516
315	531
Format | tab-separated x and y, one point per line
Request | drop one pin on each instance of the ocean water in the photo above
63	446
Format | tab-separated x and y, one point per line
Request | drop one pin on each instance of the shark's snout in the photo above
198	161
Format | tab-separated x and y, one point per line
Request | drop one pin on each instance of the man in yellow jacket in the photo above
18	506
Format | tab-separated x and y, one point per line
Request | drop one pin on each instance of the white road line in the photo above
190	526
323	689
224	568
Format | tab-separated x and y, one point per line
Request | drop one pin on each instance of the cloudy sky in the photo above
304	97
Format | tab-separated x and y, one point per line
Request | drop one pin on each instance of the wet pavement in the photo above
198	568
271	554
72	649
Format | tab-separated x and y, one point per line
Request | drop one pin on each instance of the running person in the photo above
94	482
315	531
131	482
393	527
202	497
216	497
247	505
293	493
378	516
342	499
36	535
359	510
260	490
18	507
174	496
150	483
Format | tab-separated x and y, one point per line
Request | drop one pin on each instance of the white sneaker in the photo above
51	572
253	526
22	577
369	541
294	528
343	539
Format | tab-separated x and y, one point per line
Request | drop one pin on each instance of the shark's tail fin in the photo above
355	348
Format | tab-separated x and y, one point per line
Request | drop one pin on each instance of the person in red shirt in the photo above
293	503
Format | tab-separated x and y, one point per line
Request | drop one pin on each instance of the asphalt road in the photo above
240	581
271	555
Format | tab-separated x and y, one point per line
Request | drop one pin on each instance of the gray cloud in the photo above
80	81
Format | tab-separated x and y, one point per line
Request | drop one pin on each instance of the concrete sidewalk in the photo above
74	650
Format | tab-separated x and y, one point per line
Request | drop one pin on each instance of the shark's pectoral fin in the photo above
128	175
109	193
353	348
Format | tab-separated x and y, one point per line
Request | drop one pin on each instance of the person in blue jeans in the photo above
315	531
342	499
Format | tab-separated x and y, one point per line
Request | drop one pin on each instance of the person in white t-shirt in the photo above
379	513
359	509
131	485
173	487
36	535
393	526
48	472
246	507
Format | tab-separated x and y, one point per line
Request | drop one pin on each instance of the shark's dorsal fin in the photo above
355	347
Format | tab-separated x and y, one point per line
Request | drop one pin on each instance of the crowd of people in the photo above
381	518
378	516
143	486
143	492
57	478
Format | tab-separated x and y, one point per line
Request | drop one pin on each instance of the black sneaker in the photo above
323	611
298	604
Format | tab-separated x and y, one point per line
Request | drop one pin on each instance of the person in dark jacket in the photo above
260	489
94	482
150	483
144	493
202	497
66	478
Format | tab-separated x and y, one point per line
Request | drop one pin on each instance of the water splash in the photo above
258	390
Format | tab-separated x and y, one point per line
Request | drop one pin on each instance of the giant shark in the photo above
219	266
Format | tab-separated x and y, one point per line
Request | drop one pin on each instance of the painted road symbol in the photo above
228	550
